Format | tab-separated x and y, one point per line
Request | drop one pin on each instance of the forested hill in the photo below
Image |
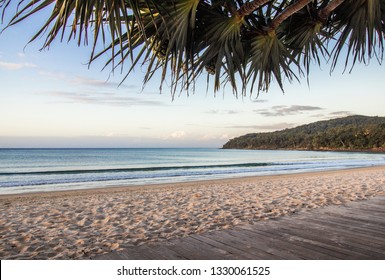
355	133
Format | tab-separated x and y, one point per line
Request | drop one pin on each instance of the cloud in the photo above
15	66
277	111
277	126
223	112
102	98
84	81
53	75
341	113
318	116
92	82
215	137
180	134
260	100
336	114
213	112
176	135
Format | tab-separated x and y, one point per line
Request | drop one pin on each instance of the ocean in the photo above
34	170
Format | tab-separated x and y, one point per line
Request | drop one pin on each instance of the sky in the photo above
53	99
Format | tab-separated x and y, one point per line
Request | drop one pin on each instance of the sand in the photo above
81	224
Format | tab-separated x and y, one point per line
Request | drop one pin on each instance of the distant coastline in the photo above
376	151
349	134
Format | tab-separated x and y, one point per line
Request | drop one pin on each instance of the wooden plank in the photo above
360	236
226	252
348	221
375	202
225	239
331	220
153	254
305	250
297	248
342	235
356	215
229	251
274	246
166	252
132	253
376	208
363	212
208	252
107	256
364	226
251	245
330	241
187	250
141	252
259	251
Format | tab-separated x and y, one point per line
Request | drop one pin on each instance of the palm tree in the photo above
244	43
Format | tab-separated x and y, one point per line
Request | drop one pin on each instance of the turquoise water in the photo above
31	170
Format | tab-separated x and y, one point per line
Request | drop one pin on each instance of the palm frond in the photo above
361	29
270	58
304	34
164	32
78	16
177	31
223	50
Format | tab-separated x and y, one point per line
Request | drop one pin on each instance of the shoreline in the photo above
160	186
80	224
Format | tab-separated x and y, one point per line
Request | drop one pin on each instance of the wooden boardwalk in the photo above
352	231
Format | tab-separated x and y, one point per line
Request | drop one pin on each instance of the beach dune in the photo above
84	223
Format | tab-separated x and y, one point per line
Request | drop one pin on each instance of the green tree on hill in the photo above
245	44
349	133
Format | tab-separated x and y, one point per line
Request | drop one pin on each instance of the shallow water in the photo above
31	170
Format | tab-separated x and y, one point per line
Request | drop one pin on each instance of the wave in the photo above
136	169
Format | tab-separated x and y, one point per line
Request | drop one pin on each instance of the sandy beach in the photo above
81	224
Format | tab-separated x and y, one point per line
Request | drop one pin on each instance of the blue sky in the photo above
51	98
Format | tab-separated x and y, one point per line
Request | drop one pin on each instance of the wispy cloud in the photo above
277	111
318	116
176	135
277	126
180	134
53	75
83	82
341	113
223	112
207	137
102	98
260	100
15	66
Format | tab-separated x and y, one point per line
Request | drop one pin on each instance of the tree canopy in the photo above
357	133
246	44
